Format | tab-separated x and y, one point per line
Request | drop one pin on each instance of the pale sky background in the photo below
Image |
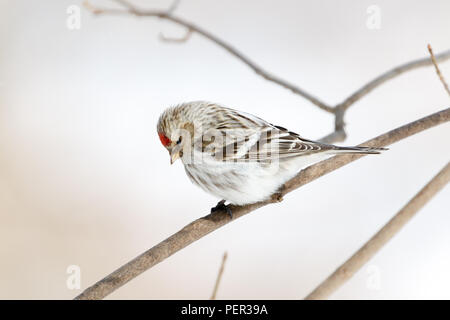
84	180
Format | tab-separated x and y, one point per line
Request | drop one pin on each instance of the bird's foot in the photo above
221	206
277	197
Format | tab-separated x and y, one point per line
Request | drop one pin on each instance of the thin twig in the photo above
338	110
167	15
389	230
203	226
438	71
182	39
219	276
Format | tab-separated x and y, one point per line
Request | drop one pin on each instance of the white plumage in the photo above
236	156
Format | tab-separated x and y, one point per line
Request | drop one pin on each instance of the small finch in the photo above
236	156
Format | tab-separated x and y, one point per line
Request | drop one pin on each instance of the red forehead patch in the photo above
164	140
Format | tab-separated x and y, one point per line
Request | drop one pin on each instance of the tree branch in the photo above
207	224
389	230
338	110
131	9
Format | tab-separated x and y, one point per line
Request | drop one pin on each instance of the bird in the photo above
236	156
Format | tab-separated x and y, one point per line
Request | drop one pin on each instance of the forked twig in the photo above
338	110
167	15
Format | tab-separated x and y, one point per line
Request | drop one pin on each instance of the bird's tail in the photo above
361	150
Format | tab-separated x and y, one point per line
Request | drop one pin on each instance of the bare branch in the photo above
233	51
339	133
219	276
203	226
389	230
388	75
338	111
440	75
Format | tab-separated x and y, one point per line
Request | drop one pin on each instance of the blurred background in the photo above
84	179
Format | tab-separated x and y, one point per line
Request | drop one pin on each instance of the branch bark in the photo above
389	230
207	224
338	110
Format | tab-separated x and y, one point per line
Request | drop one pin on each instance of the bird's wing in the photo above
242	137
271	143
239	136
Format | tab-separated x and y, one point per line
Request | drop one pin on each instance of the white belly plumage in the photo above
246	182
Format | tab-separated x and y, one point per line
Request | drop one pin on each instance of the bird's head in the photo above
175	132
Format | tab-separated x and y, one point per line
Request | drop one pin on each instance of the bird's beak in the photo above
175	153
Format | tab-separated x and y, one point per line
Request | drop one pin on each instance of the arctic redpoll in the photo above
236	156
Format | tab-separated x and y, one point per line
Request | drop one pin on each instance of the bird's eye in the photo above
179	140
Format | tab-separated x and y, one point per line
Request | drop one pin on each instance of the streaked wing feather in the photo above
249	138
267	143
